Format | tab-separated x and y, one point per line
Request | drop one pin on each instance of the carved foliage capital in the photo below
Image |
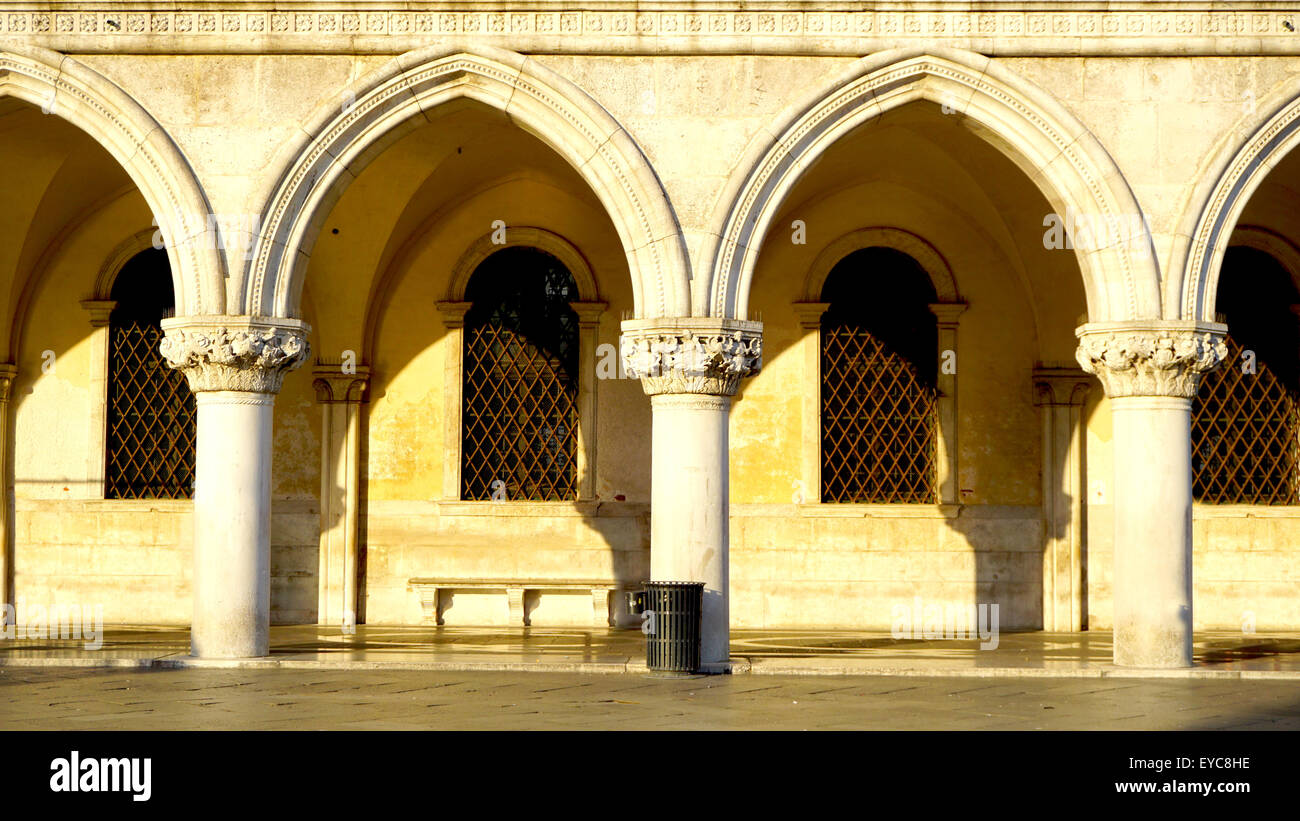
706	356
234	353
1156	360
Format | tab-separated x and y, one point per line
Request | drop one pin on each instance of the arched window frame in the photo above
1287	255
947	309
589	309
100	307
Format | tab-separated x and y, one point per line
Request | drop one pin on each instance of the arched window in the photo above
1246	414
151	416
879	359
520	418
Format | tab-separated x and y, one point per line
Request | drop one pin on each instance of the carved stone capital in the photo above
8	372
809	314
453	312
1061	386
334	384
231	353
1151	358
697	355
100	310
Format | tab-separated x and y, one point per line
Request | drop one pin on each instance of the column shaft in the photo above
688	506
1153	531
232	525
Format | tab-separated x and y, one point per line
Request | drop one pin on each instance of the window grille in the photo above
879	422
151	412
1245	436
520	415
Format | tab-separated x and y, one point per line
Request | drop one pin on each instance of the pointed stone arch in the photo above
1244	159
1063	159
61	86
342	139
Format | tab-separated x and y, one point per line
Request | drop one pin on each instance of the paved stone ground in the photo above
1088	654
82	699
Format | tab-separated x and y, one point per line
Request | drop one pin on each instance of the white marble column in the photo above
1150	372
691	368
235	366
340	395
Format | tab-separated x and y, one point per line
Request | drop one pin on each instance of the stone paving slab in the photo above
66	699
1219	655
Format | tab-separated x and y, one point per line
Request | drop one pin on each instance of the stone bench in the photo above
516	589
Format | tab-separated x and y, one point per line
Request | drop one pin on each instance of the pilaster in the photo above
100	311
8	372
1060	394
340	394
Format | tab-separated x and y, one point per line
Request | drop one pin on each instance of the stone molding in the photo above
691	401
1152	358
1061	386
228	353
922	253
100	311
529	237
691	356
624	25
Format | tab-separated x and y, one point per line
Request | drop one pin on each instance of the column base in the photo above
233	646
1152	647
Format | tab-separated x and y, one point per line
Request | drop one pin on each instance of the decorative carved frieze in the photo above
234	353
700	356
1150	359
769	24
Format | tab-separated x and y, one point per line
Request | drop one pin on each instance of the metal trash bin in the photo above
673	626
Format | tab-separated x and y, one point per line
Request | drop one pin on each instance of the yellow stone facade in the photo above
339	163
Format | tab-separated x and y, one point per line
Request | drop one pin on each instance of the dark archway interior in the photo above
888	294
143	289
1255	298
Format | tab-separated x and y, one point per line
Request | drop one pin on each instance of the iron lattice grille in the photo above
520	414
1245	436
878	423
151	419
